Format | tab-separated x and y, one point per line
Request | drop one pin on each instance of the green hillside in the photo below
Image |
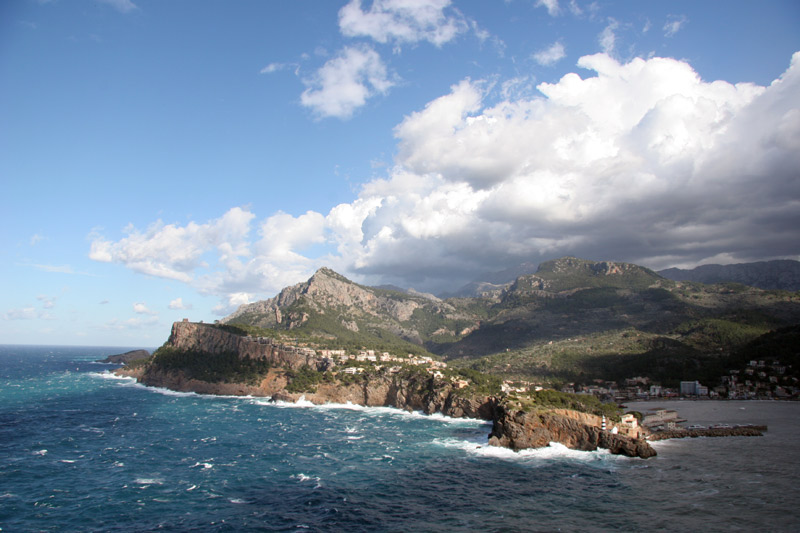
573	320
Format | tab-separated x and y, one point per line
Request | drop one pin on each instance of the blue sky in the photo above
162	160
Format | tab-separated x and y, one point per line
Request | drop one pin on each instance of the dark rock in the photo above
126	357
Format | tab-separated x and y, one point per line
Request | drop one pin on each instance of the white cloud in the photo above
142	309
402	21
22	313
551	6
640	161
608	38
47	302
674	25
575	8
272	67
61	269
346	82
123	6
234	301
173	252
550	55
177	303
36	239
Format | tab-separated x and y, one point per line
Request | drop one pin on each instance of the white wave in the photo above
303	478
205	466
148	481
68	461
375	411
168	392
554	452
107	374
191	488
40	452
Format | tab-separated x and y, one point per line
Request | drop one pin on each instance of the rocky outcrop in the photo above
126	357
521	430
205	338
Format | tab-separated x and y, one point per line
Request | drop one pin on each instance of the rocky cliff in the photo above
520	430
205	338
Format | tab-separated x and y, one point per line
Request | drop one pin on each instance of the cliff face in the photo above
520	430
427	397
209	339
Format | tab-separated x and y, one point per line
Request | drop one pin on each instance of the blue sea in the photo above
82	450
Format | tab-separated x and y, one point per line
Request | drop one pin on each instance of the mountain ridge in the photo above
558	323
778	274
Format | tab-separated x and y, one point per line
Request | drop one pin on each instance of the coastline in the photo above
511	428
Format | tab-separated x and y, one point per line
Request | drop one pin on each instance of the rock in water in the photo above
520	430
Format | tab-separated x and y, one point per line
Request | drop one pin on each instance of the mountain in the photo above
571	320
781	274
330	308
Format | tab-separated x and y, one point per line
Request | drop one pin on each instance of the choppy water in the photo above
81	450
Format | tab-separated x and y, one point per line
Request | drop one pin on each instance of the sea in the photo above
83	450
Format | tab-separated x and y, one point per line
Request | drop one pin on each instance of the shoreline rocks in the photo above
739	431
521	430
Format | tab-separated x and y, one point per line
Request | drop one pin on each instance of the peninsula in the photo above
218	359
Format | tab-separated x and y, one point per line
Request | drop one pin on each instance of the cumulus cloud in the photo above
346	82
142	309
640	161
174	252
177	303
402	21
550	55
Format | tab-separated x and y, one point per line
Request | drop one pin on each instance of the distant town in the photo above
760	380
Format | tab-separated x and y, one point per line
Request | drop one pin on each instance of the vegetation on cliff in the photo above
551	399
211	367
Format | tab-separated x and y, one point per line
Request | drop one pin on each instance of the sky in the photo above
168	160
